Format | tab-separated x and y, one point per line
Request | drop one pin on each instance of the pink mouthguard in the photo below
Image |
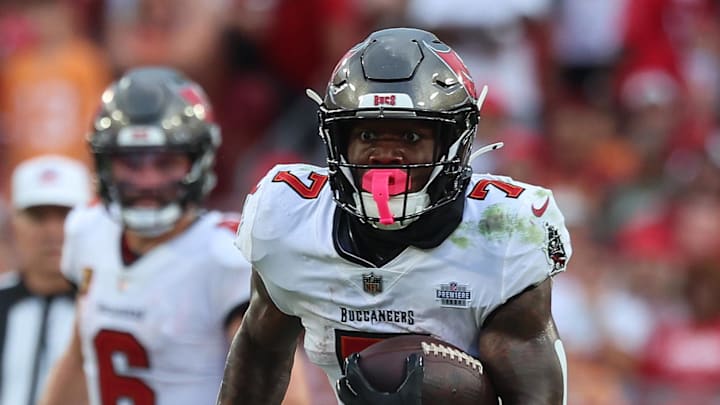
383	183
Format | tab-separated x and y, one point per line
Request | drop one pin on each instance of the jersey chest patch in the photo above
454	295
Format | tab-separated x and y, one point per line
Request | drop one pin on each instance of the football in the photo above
450	375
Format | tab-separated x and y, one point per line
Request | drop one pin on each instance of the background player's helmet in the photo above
155	109
401	73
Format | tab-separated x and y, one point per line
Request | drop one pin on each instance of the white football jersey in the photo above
153	332
512	236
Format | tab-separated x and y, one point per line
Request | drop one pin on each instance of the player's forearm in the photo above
543	390
533	375
297	392
66	383
254	375
520	348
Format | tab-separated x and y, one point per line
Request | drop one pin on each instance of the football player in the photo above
398	236
162	290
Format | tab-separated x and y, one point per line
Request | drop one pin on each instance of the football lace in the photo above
454	354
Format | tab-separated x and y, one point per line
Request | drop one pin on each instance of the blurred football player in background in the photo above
36	302
161	288
397	236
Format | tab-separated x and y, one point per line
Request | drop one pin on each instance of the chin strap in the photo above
312	95
486	149
481	97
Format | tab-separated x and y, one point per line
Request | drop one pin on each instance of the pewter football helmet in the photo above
155	110
407	74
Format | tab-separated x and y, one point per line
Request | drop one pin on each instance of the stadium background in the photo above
611	103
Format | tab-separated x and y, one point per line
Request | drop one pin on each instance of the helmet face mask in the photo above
154	113
400	75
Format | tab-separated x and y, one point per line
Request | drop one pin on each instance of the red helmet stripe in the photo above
194	97
453	61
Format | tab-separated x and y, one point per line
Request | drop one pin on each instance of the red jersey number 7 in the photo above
480	191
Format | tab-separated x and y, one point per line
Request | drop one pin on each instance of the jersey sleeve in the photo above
541	250
244	236
269	212
68	261
230	280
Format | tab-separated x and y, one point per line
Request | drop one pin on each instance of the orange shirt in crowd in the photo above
47	100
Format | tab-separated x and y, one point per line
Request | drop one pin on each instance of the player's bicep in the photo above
518	347
264	323
525	316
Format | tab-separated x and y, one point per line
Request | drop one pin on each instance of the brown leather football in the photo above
451	376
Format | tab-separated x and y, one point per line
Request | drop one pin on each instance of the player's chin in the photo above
49	252
48	265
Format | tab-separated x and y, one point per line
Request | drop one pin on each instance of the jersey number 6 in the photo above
114	386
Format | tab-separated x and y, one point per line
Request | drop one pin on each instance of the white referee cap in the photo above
50	180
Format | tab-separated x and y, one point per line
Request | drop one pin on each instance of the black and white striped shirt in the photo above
34	332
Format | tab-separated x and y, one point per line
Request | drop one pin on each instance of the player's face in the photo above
394	142
39	238
149	179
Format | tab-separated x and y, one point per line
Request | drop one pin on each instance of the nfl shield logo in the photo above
372	284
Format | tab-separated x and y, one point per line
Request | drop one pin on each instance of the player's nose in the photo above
149	175
386	155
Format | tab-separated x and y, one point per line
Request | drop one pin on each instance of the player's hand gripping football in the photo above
354	389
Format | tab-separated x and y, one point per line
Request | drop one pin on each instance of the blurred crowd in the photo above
613	104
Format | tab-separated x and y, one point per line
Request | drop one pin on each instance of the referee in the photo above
36	303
